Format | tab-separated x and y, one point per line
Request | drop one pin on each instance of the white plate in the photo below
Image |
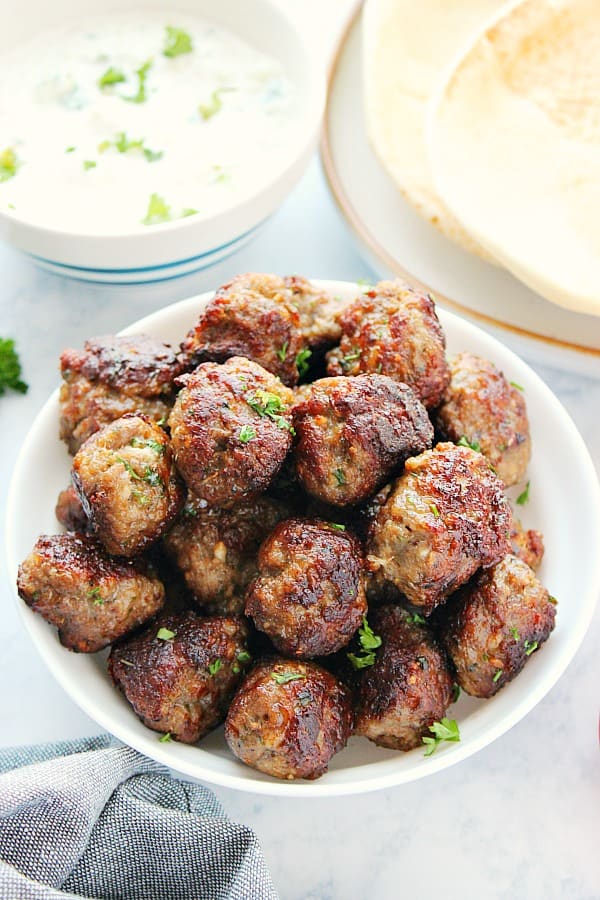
397	241
565	505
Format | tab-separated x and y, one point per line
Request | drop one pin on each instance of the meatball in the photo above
128	485
70	512
481	407
316	308
308	596
527	545
111	376
90	597
181	672
241	321
217	549
446	516
288	719
231	430
408	687
494	624
393	329
353	433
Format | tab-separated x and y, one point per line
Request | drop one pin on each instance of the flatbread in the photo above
407	44
513	140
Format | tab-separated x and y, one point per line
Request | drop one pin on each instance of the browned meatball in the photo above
181	672
240	321
353	433
217	549
288	719
494	624
393	329
231	430
446	516
308	596
408	687
316	308
527	545
70	512
482	408
126	478
111	376
90	597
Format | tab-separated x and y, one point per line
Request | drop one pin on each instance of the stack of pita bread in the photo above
487	116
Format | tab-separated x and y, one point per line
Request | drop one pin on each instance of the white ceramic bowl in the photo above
187	245
564	504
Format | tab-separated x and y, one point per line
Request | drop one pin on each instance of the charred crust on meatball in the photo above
354	433
92	598
180	673
288	719
308	596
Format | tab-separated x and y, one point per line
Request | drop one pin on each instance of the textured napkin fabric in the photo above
109	823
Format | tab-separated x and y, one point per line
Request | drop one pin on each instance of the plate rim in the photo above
387	775
367	239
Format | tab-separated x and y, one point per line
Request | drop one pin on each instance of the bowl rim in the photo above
372	775
304	136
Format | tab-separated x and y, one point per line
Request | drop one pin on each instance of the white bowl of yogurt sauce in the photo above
143	143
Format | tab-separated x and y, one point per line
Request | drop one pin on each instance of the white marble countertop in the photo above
518	820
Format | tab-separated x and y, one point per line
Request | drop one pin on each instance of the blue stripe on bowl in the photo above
180	262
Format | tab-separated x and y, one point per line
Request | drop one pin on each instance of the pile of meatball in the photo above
295	523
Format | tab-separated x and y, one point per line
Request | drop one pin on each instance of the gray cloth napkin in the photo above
87	819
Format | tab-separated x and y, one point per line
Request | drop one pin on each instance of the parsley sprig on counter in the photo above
10	368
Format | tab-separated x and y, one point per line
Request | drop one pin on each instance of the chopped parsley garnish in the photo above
95	595
497	676
189	211
150	475
519	387
472	445
212	107
141	498
530	646
247	433
165	634
415	619
124	145
177	42
243	657
285	677
365	284
9	164
158	211
142	75
215	666
111	76
165	738
515	633
552	600
434	510
446	730
89	164
523	498
455	692
222	176
337	526
10	368
340	476
270	406
369	642
70	149
148	443
302	359
350	358
282	352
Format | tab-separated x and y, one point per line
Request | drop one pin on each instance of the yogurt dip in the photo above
122	123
